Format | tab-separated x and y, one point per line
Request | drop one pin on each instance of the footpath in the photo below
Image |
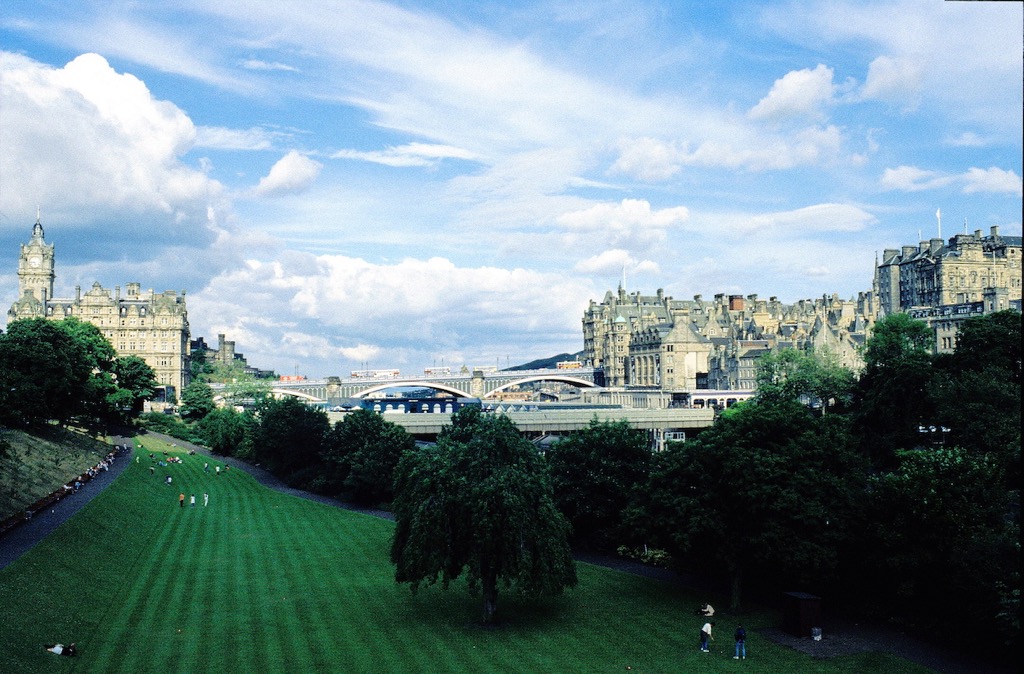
840	637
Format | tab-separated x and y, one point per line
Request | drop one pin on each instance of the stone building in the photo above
655	342
152	326
608	326
945	282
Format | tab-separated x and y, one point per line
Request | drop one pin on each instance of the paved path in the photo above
841	637
24	537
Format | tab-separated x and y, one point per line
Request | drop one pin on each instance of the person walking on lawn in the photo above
181	499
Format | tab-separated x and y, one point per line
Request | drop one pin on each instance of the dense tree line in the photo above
67	371
895	494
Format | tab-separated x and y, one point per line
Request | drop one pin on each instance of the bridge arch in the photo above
280	393
565	379
414	384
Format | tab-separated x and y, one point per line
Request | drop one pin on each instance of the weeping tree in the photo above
479	502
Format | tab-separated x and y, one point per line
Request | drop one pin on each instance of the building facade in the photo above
946	282
654	342
152	326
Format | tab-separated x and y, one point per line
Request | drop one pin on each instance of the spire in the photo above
37	229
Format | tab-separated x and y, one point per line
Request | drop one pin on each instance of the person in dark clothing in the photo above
741	643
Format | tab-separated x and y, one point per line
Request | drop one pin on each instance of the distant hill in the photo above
546	363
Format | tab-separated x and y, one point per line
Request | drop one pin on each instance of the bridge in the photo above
476	384
662	425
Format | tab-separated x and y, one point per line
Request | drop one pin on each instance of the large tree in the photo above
196	400
768	488
224	430
136	382
977	390
596	474
893	398
45	373
288	438
938	543
479	502
361	453
815	377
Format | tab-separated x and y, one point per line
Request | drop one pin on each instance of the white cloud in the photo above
967	139
347	309
631	223
92	145
828	217
799	93
616	261
992	180
221	138
893	80
256	64
292	173
412	154
913	179
648	159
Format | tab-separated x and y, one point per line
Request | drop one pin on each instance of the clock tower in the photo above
35	266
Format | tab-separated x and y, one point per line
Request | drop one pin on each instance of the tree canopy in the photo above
479	502
892	398
814	377
597	474
288	437
767	488
196	401
66	369
361	453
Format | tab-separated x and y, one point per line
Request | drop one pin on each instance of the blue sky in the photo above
340	184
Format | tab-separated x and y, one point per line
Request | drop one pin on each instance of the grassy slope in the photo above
260	581
38	464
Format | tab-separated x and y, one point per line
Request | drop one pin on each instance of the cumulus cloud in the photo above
332	308
615	261
631	223
412	154
913	179
992	180
292	173
90	145
799	93
648	159
893	80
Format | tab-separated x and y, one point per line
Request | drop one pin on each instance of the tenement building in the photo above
152	326
639	341
945	282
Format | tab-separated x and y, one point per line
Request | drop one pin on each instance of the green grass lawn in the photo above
263	582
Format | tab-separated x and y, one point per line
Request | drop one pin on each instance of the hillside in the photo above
33	465
546	363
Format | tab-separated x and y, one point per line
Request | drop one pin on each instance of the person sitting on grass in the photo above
61	649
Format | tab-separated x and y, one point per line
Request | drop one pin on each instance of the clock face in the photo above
34	261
